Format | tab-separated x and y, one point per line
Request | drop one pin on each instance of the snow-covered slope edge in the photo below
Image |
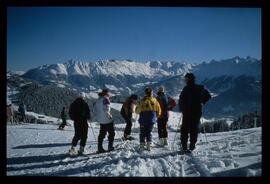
40	150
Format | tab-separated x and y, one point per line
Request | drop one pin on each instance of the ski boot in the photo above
101	150
81	150
72	151
161	142
128	138
165	141
148	145
110	146
191	147
142	146
184	149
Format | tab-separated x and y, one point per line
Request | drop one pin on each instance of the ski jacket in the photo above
79	111
103	110
149	110
166	103
63	114
191	99
127	109
21	108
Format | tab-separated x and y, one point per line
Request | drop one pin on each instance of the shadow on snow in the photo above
41	145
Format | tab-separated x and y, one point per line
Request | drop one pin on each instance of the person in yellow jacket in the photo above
149	110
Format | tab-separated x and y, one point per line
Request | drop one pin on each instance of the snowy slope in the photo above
40	149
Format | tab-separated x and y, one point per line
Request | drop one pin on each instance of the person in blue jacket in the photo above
149	110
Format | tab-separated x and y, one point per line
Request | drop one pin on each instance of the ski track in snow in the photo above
40	150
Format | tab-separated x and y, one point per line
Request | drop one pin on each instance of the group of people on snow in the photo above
151	110
11	113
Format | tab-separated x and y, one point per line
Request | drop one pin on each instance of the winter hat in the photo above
104	92
161	89
190	76
82	95
148	91
134	97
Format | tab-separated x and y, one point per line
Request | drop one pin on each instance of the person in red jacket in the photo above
166	103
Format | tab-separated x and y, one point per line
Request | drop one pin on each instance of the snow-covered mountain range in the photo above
128	75
121	77
235	83
235	67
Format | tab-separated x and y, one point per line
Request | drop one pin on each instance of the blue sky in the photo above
46	35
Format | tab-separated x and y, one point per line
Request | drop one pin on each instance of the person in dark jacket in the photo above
22	110
127	109
190	104
166	103
63	116
79	112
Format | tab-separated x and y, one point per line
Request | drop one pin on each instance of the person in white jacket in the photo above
104	117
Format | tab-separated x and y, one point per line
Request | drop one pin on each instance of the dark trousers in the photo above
81	131
189	128
162	127
63	124
127	130
145	133
23	117
104	128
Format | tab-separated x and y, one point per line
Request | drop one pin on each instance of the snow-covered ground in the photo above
40	149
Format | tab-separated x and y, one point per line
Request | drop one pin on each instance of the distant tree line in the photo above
49	100
46	100
249	120
214	126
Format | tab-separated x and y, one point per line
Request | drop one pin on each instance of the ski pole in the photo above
205	133
180	120
136	120
92	131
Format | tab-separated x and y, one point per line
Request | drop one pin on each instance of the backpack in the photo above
164	104
205	96
171	103
77	110
123	111
71	114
